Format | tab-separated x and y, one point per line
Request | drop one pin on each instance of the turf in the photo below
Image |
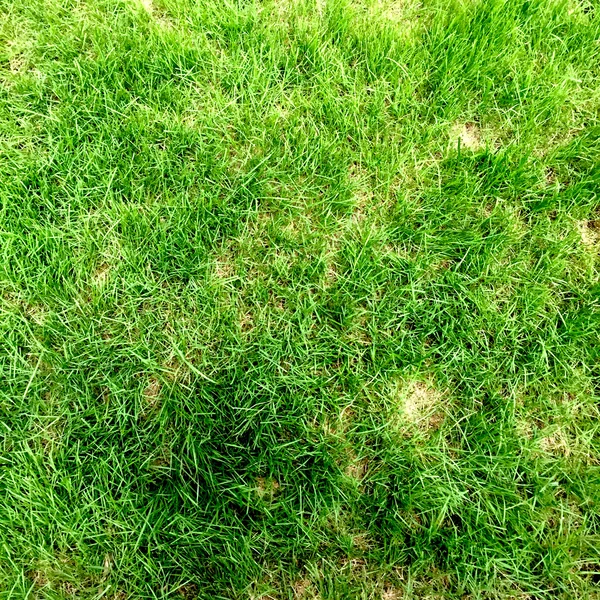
299	299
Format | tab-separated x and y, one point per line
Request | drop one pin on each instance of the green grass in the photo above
299	299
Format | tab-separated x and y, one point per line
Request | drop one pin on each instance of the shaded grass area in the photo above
299	299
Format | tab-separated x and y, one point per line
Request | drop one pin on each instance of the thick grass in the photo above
299	299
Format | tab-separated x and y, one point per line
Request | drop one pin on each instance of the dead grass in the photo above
267	488
225	266
357	468
158	15
419	404
391	593
590	234
468	135
101	275
303	589
152	393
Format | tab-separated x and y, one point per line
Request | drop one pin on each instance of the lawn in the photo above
299	299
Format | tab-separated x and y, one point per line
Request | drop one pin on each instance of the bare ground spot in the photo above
101	275
189	591
390	593
303	589
590	233
225	266
468	135
357	468
158	15
419	403
267	488
152	394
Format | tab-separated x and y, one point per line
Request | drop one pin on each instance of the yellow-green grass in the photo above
299	299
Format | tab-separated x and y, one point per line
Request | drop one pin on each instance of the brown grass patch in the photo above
16	64
36	313
590	234
267	488
468	135
303	589
422	399
189	591
357	468
158	15
390	593
51	434
176	370
561	427
62	575
107	565
101	275
336	425
418	403
224	267
247	322
362	541
556	443
151	393
363	194
405	16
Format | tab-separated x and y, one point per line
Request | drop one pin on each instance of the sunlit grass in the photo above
299	299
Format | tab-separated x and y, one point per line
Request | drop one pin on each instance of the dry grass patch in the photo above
337	425
267	488
562	428
154	11
417	403
188	591
303	589
405	16
147	5
51	434
590	234
152	392
62	577
17	64
225	266
468	135
556	443
357	468
101	275
391	593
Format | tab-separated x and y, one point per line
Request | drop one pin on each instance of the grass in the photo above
299	299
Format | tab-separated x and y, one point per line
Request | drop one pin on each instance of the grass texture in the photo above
299	299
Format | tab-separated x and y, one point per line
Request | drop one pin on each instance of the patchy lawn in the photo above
299	299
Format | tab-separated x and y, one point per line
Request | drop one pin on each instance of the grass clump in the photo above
299	299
